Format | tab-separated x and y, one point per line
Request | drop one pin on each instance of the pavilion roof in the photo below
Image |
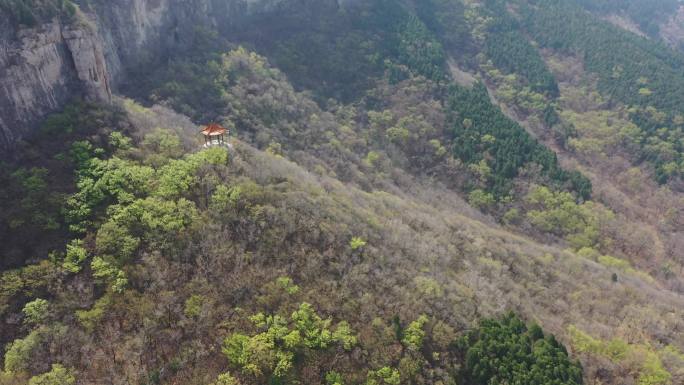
214	129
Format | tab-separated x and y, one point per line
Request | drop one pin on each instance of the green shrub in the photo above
193	306
414	333
271	353
116	241
649	369
357	243
18	354
558	213
226	379
36	311
428	287
110	274
481	199
334	378
90	319
76	254
287	284
59	375
384	376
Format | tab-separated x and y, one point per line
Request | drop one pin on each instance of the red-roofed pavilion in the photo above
214	135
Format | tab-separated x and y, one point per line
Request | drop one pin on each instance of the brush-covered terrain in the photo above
415	192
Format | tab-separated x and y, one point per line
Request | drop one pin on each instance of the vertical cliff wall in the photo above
87	56
42	67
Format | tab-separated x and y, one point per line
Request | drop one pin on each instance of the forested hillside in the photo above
414	192
639	73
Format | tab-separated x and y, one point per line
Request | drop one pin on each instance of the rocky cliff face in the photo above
41	68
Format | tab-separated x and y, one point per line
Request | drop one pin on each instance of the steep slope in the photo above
420	250
605	124
372	223
383	244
